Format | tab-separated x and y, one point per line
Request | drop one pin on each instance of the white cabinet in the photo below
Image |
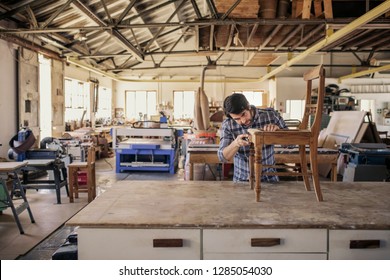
359	244
138	244
265	244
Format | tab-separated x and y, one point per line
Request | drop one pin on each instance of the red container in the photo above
82	178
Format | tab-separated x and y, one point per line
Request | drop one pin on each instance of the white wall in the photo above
380	94
295	89
81	74
215	91
288	89
8	93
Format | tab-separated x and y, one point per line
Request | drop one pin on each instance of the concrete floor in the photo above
106	177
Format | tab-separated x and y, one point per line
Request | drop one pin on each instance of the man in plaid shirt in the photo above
234	135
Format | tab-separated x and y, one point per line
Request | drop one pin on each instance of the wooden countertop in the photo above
222	204
11	166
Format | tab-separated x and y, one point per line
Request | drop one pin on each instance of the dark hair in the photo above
235	104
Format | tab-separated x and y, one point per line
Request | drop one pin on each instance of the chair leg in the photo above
258	170
89	184
314	170
302	155
76	184
72	176
251	166
93	182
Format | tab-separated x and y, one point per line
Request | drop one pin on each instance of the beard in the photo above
246	126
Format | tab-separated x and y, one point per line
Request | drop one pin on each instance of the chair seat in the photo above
78	165
284	137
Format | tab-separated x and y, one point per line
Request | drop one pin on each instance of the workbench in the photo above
59	171
221	220
205	154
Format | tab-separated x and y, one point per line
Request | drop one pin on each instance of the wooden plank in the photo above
318	8
328	10
245	9
297	6
323	9
306	9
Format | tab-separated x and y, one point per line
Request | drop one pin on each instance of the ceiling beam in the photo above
264	44
310	34
106	11
196	9
56	13
369	16
230	38
163	27
126	11
228	12
292	34
212	8
384	24
17	8
365	72
250	37
211	44
114	32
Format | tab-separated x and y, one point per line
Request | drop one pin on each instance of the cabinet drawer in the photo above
265	241
266	256
359	244
140	244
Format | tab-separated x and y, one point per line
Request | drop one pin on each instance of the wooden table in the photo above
218	219
13	168
324	156
202	155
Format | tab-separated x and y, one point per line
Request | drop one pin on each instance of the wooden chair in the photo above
305	134
77	170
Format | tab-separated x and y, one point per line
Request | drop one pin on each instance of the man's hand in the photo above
242	140
270	127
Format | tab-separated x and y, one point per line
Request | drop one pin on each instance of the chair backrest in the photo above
314	104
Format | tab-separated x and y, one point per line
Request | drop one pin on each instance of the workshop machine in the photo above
366	162
145	149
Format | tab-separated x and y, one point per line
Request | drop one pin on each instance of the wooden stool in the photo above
76	169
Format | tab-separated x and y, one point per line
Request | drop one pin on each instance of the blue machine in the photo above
365	162
145	149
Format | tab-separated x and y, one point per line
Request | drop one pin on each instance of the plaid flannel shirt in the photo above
231	129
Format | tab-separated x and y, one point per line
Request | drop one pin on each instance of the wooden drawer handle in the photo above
364	244
265	242
168	242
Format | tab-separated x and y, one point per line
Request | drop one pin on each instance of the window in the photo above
367	105
141	103
254	97
76	99
183	104
104	103
295	109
